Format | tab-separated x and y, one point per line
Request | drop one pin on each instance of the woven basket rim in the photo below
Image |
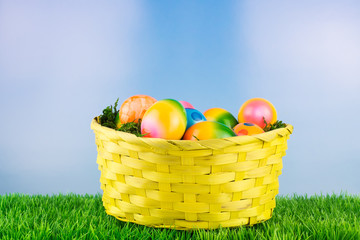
266	136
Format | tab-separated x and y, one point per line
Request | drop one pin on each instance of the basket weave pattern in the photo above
190	184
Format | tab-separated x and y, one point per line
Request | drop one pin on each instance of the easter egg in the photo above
134	108
186	104
221	115
193	116
247	129
164	119
208	130
255	109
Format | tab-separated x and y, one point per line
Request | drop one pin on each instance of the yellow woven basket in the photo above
186	184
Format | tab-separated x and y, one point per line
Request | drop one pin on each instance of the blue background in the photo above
63	62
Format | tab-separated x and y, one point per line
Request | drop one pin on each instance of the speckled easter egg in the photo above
208	130
186	104
133	109
193	116
164	119
255	109
247	129
222	116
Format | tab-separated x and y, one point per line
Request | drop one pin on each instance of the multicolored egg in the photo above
186	104
164	119
221	115
247	129
134	108
193	116
255	109
208	130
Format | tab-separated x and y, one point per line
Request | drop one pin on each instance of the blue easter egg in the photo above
193	116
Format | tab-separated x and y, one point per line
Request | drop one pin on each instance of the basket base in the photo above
179	224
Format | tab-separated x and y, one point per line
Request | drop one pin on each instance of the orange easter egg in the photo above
247	129
134	108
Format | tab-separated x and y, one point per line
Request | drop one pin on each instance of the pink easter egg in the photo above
186	104
255	110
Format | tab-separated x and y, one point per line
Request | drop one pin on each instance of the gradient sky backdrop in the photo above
62	62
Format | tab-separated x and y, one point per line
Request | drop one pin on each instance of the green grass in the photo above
83	217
